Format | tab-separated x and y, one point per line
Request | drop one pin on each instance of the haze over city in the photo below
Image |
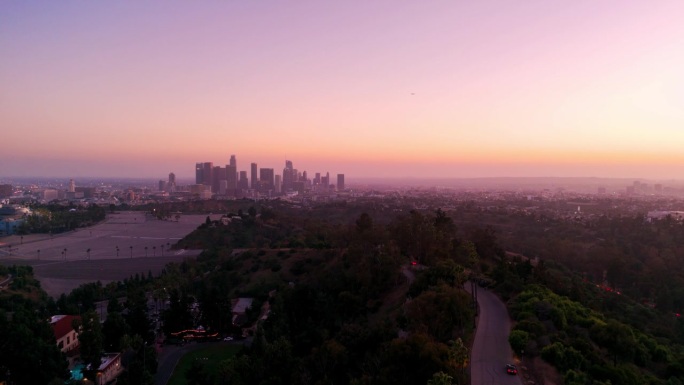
371	89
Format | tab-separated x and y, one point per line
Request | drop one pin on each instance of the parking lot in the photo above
124	244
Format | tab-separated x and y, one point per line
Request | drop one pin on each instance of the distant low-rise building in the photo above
6	190
657	215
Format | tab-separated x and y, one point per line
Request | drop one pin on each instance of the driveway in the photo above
491	351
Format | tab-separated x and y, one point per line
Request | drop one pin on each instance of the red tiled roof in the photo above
63	326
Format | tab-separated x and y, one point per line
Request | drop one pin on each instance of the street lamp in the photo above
131	247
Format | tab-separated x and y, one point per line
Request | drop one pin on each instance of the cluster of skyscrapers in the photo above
228	181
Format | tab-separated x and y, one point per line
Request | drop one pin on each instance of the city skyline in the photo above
388	89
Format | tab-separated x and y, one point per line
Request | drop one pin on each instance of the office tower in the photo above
266	179
72	185
218	174
243	183
231	177
199	171
304	179
162	185
325	181
207	173
658	188
288	176
254	181
278	184
317	178
233	161
171	185
340	182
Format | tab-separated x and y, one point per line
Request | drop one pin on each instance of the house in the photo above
239	309
110	368
65	335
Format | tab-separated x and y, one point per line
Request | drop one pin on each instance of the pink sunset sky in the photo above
365	88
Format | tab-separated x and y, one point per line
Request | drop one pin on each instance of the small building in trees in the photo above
110	368
65	335
239	309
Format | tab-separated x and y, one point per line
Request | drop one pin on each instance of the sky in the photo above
365	88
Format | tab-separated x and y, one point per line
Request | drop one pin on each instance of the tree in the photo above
518	340
113	329
440	378
617	338
459	357
89	338
364	223
25	341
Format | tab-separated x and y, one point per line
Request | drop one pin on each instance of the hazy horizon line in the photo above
363	178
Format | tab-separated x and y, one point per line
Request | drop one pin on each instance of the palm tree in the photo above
65	255
154	251
145	251
131	251
117	251
162	249
39	254
88	252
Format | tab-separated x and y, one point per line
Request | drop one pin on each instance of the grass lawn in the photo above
212	356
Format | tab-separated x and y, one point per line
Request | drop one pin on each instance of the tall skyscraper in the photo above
278	184
218	175
233	161
254	176
288	176
340	182
207	173
243	183
72	185
199	171
171	185
231	177
266	179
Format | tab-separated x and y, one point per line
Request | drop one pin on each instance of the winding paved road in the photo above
491	351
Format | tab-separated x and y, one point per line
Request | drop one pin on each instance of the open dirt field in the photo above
63	262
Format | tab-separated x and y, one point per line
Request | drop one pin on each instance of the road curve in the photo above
491	351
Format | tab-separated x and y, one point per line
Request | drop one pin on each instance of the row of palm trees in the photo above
154	251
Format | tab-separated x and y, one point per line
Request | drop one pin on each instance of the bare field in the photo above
65	261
